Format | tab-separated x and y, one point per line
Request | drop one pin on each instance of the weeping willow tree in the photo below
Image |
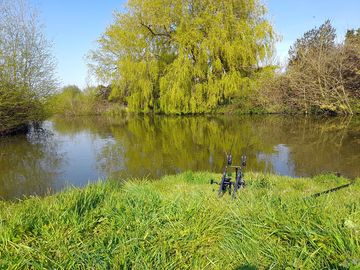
184	56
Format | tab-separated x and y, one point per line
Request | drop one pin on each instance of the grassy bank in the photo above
179	223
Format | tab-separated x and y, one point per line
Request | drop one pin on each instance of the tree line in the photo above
321	76
72	101
179	57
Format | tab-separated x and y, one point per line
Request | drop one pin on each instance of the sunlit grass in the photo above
179	223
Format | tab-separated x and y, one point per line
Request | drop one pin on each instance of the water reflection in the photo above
76	151
29	165
280	161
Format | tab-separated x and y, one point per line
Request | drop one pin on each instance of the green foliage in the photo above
261	100
71	101
322	76
67	102
184	56
17	107
71	91
179	223
26	66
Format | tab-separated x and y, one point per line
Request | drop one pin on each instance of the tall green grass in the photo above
180	223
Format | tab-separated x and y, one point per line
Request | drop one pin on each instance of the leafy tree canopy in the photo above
314	40
25	53
186	56
27	67
71	90
322	73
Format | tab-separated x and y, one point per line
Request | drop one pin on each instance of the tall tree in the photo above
187	56
27	69
317	39
316	73
352	74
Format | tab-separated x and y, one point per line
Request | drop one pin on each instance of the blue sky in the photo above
293	18
74	25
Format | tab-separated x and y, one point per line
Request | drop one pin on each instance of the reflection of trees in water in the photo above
317	144
96	125
28	164
157	145
332	145
154	145
110	156
110	160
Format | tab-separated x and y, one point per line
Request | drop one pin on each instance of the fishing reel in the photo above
229	160
225	183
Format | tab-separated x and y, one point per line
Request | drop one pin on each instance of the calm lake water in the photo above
81	150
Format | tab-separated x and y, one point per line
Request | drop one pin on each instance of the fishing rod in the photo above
318	194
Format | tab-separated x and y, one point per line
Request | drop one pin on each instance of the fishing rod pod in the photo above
225	183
